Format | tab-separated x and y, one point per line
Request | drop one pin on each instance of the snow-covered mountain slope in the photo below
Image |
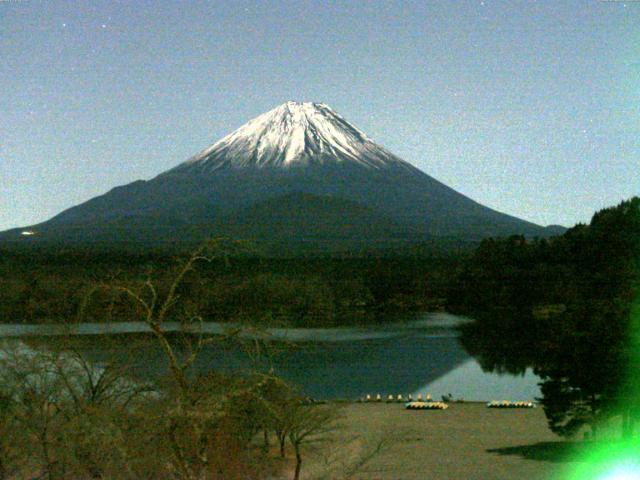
293	134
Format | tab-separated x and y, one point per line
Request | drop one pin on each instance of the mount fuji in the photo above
299	174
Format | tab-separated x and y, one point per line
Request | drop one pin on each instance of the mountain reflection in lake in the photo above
422	355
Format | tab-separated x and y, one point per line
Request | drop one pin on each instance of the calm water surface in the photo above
420	354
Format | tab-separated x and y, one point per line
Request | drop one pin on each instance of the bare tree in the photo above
308	424
197	410
72	417
65	413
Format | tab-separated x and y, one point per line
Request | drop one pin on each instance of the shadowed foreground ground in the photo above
467	441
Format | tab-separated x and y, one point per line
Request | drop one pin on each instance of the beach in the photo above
466	441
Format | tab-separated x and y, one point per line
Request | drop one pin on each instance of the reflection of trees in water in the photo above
581	364
322	369
564	308
499	343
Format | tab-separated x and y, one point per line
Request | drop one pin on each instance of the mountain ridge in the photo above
293	150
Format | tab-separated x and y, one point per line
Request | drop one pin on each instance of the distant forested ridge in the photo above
61	285
563	306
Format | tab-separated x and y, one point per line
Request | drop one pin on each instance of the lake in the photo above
418	354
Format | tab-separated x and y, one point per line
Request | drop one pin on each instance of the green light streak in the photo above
613	461
619	460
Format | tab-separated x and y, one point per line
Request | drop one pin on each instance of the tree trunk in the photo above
49	463
296	475
282	439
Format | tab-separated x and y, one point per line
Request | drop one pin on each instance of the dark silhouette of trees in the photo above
50	286
564	308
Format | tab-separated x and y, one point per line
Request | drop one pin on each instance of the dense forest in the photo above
67	285
566	307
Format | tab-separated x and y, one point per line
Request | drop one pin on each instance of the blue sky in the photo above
529	107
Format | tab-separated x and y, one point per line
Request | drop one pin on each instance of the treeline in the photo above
52	286
564	307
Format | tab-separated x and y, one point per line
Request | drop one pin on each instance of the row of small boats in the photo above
426	406
396	399
426	403
444	405
508	404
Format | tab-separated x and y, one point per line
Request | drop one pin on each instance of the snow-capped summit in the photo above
293	134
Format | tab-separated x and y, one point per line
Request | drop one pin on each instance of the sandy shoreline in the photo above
467	441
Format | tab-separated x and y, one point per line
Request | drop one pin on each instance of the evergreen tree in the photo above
564	308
